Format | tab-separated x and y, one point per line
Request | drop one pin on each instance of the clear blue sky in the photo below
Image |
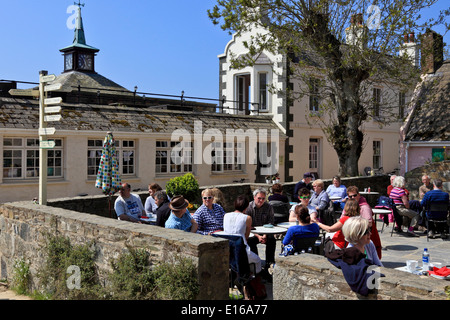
160	46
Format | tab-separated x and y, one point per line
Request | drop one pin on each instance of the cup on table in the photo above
411	265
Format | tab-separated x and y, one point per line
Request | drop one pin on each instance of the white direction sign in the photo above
47	144
52	118
52	109
24	92
53	87
53	101
49	78
47	131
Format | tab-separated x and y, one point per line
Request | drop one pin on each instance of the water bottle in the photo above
425	260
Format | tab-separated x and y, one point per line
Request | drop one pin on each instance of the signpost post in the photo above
48	112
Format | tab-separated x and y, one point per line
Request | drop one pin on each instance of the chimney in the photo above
432	51
410	49
357	32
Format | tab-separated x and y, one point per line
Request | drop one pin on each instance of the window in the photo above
243	93
377	154
401	105
376	101
227	157
263	92
173	157
313	154
314	100
126	152
21	158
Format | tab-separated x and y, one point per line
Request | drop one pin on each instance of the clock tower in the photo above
79	56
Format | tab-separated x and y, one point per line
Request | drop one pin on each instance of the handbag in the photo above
255	289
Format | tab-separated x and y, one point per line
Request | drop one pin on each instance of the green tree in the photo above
312	33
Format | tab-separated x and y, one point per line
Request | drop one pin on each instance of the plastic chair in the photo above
300	244
240	271
327	216
280	211
437	214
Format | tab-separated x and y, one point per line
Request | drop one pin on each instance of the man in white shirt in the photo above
128	206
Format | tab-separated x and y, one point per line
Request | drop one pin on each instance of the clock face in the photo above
85	61
68	62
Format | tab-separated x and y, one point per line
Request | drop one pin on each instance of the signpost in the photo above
48	112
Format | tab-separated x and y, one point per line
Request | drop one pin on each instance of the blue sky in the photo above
160	46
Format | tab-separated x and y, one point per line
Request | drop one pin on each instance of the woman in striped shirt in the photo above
400	198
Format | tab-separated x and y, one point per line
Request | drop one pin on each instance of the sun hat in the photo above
178	203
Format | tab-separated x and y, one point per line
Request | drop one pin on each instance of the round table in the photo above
287	225
273	230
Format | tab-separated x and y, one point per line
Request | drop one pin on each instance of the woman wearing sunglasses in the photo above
209	215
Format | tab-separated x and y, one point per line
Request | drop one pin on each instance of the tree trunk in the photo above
347	137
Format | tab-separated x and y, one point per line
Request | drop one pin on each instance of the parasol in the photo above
108	176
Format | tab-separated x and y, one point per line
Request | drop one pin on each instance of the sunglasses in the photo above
207	198
351	196
305	197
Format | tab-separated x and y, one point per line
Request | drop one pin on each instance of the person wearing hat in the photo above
304	183
179	217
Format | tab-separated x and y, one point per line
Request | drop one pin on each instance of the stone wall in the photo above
435	170
23	228
313	277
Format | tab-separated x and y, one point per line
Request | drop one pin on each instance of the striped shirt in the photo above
397	194
209	220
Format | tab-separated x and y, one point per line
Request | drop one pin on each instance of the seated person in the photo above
218	197
336	189
356	231
319	198
209	216
436	196
179	218
351	209
304	229
238	223
262	213
128	206
277	190
400	198
162	208
304	183
304	195
150	206
427	186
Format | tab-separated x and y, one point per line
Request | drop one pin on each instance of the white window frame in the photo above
168	163
377	160
126	151
25	159
227	157
263	91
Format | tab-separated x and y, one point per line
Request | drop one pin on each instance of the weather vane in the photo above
79	3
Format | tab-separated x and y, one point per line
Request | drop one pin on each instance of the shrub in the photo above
132	277
60	255
186	185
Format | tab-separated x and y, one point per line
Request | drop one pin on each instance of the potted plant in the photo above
268	178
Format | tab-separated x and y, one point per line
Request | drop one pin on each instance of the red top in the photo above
338	237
